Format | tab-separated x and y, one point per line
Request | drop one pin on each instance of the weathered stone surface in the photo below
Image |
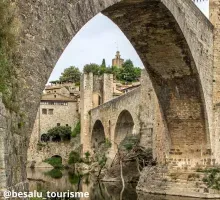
173	39
159	180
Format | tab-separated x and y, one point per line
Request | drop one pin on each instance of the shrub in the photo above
212	178
74	157
74	178
128	146
76	130
55	161
87	154
63	132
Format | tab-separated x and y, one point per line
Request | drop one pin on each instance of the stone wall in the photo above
38	152
62	114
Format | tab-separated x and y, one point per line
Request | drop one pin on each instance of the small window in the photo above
50	111
99	101
55	96
67	124
44	111
58	124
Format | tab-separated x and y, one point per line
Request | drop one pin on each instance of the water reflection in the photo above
40	180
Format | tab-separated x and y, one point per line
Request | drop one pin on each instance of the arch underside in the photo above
124	126
163	49
98	135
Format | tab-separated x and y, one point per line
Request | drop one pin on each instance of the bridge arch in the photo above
124	126
173	39
98	135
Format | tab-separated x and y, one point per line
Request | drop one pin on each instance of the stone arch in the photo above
167	36
124	126
98	134
160	38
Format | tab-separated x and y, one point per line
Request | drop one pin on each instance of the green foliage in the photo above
128	146
9	29
212	178
54	173
63	132
103	65
74	157
74	178
71	74
129	142
55	161
87	154
76	130
92	67
102	161
127	73
57	81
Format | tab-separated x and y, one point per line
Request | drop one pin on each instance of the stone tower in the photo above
117	61
214	13
94	91
214	6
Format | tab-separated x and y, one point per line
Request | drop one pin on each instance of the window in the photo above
58	124
55	96
99	101
67	124
50	111
44	111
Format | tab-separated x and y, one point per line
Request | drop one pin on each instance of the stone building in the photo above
117	61
59	106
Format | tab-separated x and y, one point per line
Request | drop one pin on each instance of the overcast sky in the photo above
100	38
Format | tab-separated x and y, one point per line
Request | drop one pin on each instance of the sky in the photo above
100	38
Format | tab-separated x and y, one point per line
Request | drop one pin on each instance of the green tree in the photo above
103	63
63	132
71	74
128	72
92	67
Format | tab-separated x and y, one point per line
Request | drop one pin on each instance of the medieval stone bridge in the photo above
176	42
116	119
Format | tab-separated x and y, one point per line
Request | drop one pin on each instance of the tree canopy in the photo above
127	72
71	74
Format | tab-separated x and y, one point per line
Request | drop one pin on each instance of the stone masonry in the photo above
173	39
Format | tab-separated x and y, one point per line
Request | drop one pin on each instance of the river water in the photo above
40	179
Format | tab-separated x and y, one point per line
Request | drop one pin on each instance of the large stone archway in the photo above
173	39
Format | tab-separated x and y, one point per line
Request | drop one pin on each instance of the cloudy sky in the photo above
100	38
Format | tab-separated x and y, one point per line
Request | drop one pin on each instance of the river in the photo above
42	180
